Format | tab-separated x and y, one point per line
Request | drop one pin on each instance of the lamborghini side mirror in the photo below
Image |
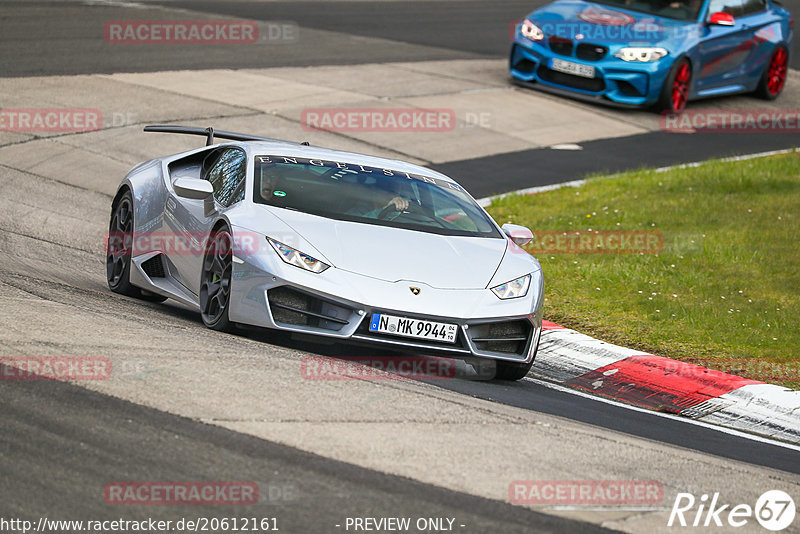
520	235
196	189
193	188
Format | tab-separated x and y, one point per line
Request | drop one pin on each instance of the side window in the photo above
731	7
753	6
227	175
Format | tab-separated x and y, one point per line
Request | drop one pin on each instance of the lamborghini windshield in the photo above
369	195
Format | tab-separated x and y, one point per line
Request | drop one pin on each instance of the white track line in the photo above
709	426
531	191
732	158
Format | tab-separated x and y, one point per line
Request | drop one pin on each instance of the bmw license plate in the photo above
585	71
418	328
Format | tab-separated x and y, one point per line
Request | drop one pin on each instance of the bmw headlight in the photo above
513	289
641	54
531	31
297	258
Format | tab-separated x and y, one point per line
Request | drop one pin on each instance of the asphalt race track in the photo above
187	404
63	425
64	37
603	156
57	37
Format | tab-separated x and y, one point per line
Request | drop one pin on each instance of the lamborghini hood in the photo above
393	254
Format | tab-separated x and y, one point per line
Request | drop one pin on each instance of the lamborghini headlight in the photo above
641	54
531	31
513	289
297	258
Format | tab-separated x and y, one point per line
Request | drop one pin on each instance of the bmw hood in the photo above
597	23
393	254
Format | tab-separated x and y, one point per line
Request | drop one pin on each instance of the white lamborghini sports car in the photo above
291	237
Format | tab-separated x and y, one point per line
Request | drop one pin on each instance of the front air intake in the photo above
296	308
506	337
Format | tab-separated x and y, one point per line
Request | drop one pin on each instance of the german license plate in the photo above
417	328
585	71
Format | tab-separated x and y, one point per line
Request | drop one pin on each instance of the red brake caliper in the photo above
680	88
776	76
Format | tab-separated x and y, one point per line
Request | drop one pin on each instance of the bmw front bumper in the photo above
616	82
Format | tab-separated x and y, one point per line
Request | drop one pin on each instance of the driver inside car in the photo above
371	202
269	181
400	204
364	201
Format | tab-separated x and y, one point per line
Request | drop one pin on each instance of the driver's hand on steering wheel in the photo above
400	203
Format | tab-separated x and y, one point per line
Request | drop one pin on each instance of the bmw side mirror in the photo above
196	189
520	235
721	19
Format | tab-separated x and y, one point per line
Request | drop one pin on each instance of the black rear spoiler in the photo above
210	134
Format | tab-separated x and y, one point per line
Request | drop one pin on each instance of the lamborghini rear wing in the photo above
210	134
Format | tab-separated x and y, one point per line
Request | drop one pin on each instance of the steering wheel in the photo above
412	208
384	213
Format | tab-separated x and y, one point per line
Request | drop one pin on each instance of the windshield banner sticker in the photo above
354	167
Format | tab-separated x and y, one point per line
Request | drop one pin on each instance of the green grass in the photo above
725	290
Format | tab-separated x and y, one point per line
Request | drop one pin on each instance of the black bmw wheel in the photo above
119	247
215	283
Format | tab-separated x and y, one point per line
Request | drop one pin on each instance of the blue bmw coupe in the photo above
654	53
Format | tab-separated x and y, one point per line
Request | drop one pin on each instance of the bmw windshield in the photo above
369	195
684	10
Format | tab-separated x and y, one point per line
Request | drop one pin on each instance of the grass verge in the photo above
720	288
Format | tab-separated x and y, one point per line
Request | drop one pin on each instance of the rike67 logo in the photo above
774	510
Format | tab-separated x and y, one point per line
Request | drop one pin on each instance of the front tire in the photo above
675	93
773	79
119	249
512	371
215	283
515	371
